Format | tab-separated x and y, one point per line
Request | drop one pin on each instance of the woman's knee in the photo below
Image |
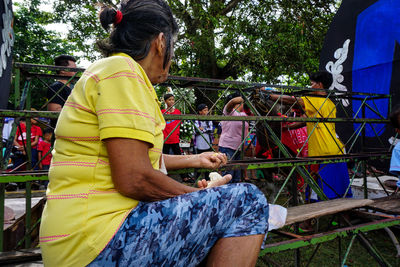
247	203
256	192
257	201
247	192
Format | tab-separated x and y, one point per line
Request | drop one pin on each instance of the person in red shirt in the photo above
34	151
171	140
43	147
171	133
20	142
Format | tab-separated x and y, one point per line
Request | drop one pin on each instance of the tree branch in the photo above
231	5
182	13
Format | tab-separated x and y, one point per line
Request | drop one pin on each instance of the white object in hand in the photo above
214	176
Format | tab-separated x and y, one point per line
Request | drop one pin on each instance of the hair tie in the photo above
118	18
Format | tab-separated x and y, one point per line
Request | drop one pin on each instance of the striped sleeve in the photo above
125	108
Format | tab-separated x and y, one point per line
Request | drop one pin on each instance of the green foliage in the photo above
85	25
258	41
33	43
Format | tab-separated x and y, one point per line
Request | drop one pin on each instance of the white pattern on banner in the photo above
336	68
8	36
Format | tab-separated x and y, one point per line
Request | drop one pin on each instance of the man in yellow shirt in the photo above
322	140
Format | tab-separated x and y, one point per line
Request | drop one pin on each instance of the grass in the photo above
327	254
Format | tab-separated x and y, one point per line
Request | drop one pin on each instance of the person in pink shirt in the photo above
232	133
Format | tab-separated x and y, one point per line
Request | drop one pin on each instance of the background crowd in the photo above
198	136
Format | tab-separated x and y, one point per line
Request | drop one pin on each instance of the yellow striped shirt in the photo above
113	98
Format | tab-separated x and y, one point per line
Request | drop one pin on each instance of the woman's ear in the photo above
160	43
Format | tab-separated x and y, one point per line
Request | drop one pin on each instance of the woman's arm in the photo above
34	143
232	103
54	107
209	126
288	100
134	176
39	158
296	125
207	160
15	143
198	127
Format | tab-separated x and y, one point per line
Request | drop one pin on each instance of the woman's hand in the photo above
203	184
211	160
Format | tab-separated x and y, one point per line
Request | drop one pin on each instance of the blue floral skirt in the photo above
181	231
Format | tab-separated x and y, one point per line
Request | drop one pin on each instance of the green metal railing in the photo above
22	102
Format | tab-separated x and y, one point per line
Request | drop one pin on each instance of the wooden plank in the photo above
318	209
18	206
20	256
390	204
15	231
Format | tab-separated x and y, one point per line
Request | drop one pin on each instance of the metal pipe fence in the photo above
33	78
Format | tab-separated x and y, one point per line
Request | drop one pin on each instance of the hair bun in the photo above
107	16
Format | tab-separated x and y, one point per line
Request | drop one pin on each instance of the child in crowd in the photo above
203	137
171	140
395	161
38	130
20	142
43	148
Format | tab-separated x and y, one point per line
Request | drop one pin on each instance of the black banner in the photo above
362	52
6	44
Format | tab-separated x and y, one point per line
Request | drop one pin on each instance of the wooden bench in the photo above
294	215
389	204
318	209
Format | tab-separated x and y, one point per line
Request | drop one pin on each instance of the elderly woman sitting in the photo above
108	204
